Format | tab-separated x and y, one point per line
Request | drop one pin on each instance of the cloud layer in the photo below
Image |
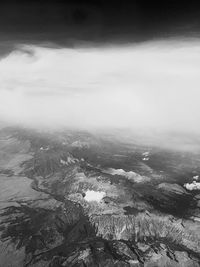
154	85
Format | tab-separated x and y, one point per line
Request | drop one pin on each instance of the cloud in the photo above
192	186
154	85
129	175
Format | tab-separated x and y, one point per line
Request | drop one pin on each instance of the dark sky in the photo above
101	21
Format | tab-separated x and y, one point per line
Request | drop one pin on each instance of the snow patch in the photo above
69	160
97	196
145	155
44	148
195	177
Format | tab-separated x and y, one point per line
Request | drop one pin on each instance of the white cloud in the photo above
130	175
152	85
192	186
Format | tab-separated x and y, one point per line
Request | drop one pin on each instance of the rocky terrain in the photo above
75	199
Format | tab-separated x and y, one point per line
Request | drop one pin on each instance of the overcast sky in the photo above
151	85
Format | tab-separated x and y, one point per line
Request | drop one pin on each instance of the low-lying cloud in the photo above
154	85
192	186
130	175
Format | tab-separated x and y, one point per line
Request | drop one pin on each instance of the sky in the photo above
121	77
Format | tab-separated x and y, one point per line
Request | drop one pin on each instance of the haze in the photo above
152	85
